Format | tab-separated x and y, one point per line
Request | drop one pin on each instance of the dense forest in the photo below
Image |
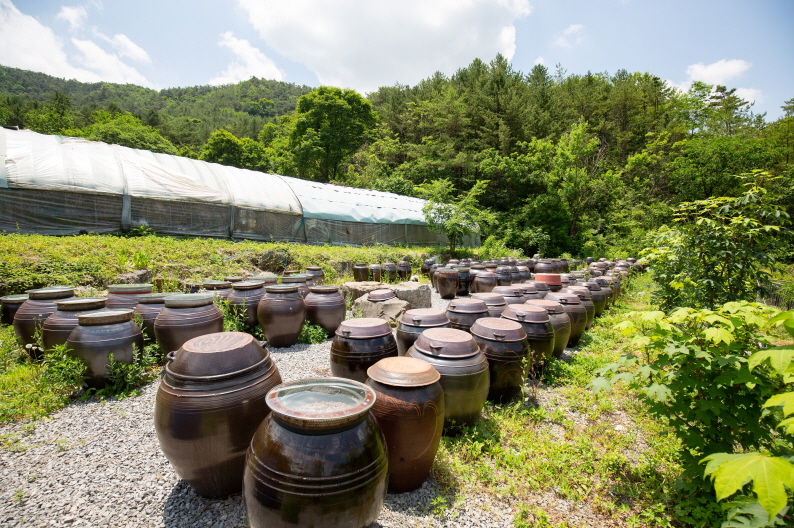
565	163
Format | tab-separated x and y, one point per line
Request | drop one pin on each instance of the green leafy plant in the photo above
140	260
312	334
64	370
124	378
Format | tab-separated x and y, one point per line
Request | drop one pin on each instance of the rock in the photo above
143	276
414	278
390	310
417	295
354	290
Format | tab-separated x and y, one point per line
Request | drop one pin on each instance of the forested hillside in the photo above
580	164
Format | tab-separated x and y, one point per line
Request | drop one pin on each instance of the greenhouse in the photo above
57	185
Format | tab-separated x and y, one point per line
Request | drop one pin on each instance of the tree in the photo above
225	148
126	130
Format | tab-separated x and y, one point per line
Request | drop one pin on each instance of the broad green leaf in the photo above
600	384
717	334
654	316
789	326
714	318
787	425
641	341
782	316
659	392
779	358
626	327
785	400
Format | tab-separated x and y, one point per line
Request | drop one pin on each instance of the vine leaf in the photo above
785	400
716	334
779	358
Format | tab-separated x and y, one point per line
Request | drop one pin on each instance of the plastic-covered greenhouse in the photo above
58	185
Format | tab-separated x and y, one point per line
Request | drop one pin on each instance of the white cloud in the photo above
754	95
250	62
75	15
540	60
719	72
365	44
128	48
108	66
572	35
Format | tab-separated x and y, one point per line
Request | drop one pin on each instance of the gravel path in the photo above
98	463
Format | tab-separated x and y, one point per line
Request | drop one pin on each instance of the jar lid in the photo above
525	313
267	279
523	268
403	372
52	292
361	263
130	288
314	268
447	270
281	288
503	269
495	329
381	295
453	261
581	291
539	285
549	278
189	300
216	285
527	289
217	355
363	328
563	298
374	266
467	306
18	298
477	267
320	403
324	289
105	317
592	285
446	343
389	264
424	318
553	307
297	278
154	298
233	278
490	299
462	270
247	285
81	303
404	263
508	291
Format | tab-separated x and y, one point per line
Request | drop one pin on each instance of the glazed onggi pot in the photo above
9	306
515	274
299	280
325	307
537	326
125	295
447	282
375	272
281	313
464	281
319	458
512	294
209	404
359	344
317	275
98	335
542	287
586	299
503	276
220	289
462	313
559	321
389	271
409	407
505	345
598	296
529	291
59	325
266	279
426	264
576	312
30	316
360	272
609	293
464	373
544	266
553	280
495	303
484	282
414	322
524	273
247	295
404	270
149	307
185	316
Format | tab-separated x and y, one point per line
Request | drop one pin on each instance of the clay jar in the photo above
609	293
503	276
318	459
281	313
414	322
148	307
209	404
559	321
576	311
233	278
220	289
504	344
360	272
495	303
529	291
9	306
100	334
542	287
512	294
390	271
409	407
544	266
125	295
462	313
35	310
537	326
515	274
426	264
404	270
597	295
483	282
375	272
523	272
299	280
317	275
553	280
447	282
247	294
265	279
586	300
359	344
325	307
59	325
432	274
464	373
464	281
184	317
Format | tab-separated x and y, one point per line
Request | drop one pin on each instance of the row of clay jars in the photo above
377	272
30	316
282	311
358	344
59	325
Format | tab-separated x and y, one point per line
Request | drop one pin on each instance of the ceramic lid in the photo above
381	295
403	372
592	285
404	263
324	289
314	268
361	263
453	261
281	288
130	288
508	291
553	307
539	285
374	266
525	313
81	303
389	265
363	328
490	299
424	318
462	269
581	291
155	298
477	267
320	403
467	306
105	317
216	285
446	343
496	329
18	298
189	300
247	285
266	277
549	278
447	270
233	278
297	278
51	292
217	355
527	288
563	298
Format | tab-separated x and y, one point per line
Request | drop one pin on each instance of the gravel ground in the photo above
98	463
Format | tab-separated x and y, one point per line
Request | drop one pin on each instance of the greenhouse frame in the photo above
58	185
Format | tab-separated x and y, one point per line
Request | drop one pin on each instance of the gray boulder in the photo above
416	294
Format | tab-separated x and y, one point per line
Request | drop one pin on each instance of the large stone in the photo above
390	310
354	290
416	294
143	276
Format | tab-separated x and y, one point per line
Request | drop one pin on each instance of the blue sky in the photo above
364	44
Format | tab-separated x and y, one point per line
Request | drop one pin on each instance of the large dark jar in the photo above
281	313
512	294
432	274
426	264
247	295
318	460
462	313
325	307
409	406
515	274
100	334
559	321
597	295
149	307
299	280
375	272
185	316
495	303
524	273
464	373
125	295
35	310
317	275
447	282
542	287
464	281
503	276
9	306
576	311
587	301
360	272
414	322
59	325
389	271
609	293
504	344
483	282
404	270
220	289
529	291
359	344
209	404
544	266
540	334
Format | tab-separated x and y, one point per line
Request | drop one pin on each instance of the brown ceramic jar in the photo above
504	344
409	407
426	264
317	275
209	404
299	280
587	301
484	282
34	311
360	272
404	270
523	272
220	289
598	296
529	291
281	313
359	344
542	287
375	272
559	321
462	313
325	307
125	295
503	276
61	322
609	293
184	317
148	307
9	306
512	294
464	281
389	271
537	326
544	266
447	282
495	303
576	311
414	322
515	274
247	294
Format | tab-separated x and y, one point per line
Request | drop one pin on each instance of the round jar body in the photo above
375	272
447	283
484	282
281	315
95	343
562	332
426	264
58	326
249	299
325	307
350	358
148	313
31	315
9	306
404	270
508	366
511	294
360	272
121	296
176	325
463	321
407	334
464	282
503	276
389	271
316	272
544	266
